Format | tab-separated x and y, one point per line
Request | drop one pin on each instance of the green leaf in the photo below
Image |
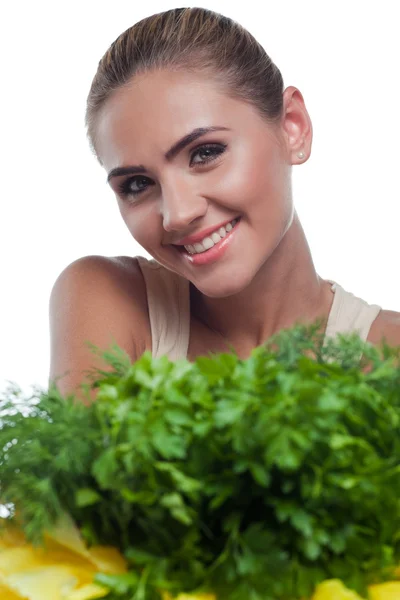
254	479
119	584
86	497
260	474
167	444
140	557
227	412
105	468
177	507
302	522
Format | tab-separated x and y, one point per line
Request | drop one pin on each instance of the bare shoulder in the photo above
101	300
386	327
101	279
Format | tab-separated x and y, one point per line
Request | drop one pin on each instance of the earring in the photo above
300	154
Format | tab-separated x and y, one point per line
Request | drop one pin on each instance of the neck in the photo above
286	290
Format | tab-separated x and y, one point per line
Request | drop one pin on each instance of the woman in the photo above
190	119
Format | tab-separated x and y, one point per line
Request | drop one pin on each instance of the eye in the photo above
139	183
134	185
207	153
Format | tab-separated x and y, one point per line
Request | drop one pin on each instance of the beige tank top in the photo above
168	297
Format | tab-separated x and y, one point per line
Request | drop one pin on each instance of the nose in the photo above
181	206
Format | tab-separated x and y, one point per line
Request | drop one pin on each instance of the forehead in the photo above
158	108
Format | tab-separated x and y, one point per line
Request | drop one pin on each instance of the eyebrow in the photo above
169	155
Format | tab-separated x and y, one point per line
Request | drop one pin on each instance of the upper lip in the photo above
198	237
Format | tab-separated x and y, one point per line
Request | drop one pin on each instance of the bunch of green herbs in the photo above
255	479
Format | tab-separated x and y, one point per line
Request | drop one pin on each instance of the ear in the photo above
296	126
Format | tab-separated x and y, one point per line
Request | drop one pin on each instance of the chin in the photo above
224	287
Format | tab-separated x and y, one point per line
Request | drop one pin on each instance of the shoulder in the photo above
119	277
101	300
386	327
104	282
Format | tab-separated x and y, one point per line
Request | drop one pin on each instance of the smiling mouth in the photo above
185	250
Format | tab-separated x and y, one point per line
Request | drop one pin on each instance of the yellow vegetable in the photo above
333	589
64	570
385	591
190	597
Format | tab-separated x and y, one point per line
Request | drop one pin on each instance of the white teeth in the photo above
207	243
211	240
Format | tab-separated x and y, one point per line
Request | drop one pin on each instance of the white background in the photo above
55	204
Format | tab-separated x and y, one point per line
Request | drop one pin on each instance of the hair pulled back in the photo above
189	39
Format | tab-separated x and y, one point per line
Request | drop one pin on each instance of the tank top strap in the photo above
168	298
350	313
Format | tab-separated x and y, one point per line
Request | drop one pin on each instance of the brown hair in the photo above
194	39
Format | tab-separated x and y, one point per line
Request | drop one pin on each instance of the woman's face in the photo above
241	169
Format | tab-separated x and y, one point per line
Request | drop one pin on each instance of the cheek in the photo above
261	188
142	221
254	181
236	183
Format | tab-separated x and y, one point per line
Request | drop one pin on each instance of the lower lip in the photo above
214	253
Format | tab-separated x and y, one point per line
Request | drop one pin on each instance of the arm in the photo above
96	299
